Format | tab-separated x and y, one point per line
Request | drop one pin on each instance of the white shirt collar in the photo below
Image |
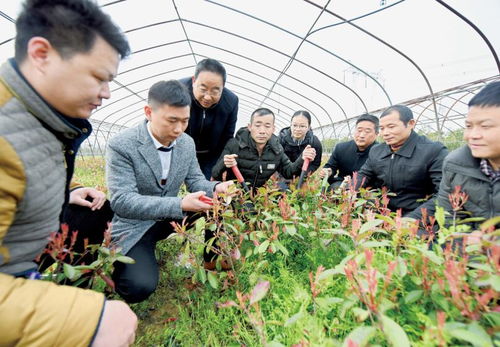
155	141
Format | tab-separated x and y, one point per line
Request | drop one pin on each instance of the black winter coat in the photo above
294	150
256	169
346	158
413	173
211	128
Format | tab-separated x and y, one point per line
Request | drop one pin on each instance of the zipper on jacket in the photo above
258	171
490	191
202	122
391	164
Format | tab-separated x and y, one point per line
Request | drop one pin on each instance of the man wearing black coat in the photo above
348	157
408	164
258	153
214	110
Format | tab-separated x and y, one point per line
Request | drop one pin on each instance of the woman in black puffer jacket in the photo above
297	136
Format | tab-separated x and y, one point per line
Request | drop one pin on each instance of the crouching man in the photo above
146	166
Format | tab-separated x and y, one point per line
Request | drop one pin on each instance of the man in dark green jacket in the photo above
475	167
258	153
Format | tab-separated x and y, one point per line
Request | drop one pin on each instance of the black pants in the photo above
136	282
90	226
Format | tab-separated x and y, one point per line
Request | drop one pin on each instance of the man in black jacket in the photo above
214	110
408	164
258	153
348	157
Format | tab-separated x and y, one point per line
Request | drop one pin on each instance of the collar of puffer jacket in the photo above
245	140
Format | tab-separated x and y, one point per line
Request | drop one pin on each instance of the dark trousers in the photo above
206	167
136	282
90	226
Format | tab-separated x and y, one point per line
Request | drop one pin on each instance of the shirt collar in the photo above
488	170
156	142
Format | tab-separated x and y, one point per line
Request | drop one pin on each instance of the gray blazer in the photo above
133	173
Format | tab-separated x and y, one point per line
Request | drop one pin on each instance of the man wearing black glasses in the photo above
214	110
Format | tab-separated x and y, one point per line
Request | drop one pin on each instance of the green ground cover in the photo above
320	270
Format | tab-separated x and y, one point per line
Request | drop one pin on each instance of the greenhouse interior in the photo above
309	266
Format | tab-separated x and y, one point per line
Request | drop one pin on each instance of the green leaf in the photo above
373	244
274	344
401	268
202	275
440	217
490	222
360	314
199	225
294	318
124	259
396	336
474	334
386	219
470	220
212	279
290	229
432	257
484	338
370	225
327	274
327	303
248	253
413	296
361	335
282	248
263	246
104	251
495	282
259	291
69	271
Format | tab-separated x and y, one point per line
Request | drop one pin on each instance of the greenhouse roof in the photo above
336	59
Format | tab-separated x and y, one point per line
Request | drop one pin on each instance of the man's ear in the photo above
411	123
147	112
39	52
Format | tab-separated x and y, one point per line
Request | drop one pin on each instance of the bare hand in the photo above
224	187
79	195
325	172
230	160
309	153
191	202
117	327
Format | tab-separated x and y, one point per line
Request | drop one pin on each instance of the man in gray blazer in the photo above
146	166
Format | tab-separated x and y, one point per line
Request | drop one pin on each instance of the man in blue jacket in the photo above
214	110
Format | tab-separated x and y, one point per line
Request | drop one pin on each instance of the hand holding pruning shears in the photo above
309	153
230	160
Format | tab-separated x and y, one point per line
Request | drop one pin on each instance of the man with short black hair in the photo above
408	164
214	110
145	167
258	152
67	52
348	157
475	167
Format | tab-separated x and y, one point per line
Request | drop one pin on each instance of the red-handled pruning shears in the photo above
303	173
240	178
206	200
